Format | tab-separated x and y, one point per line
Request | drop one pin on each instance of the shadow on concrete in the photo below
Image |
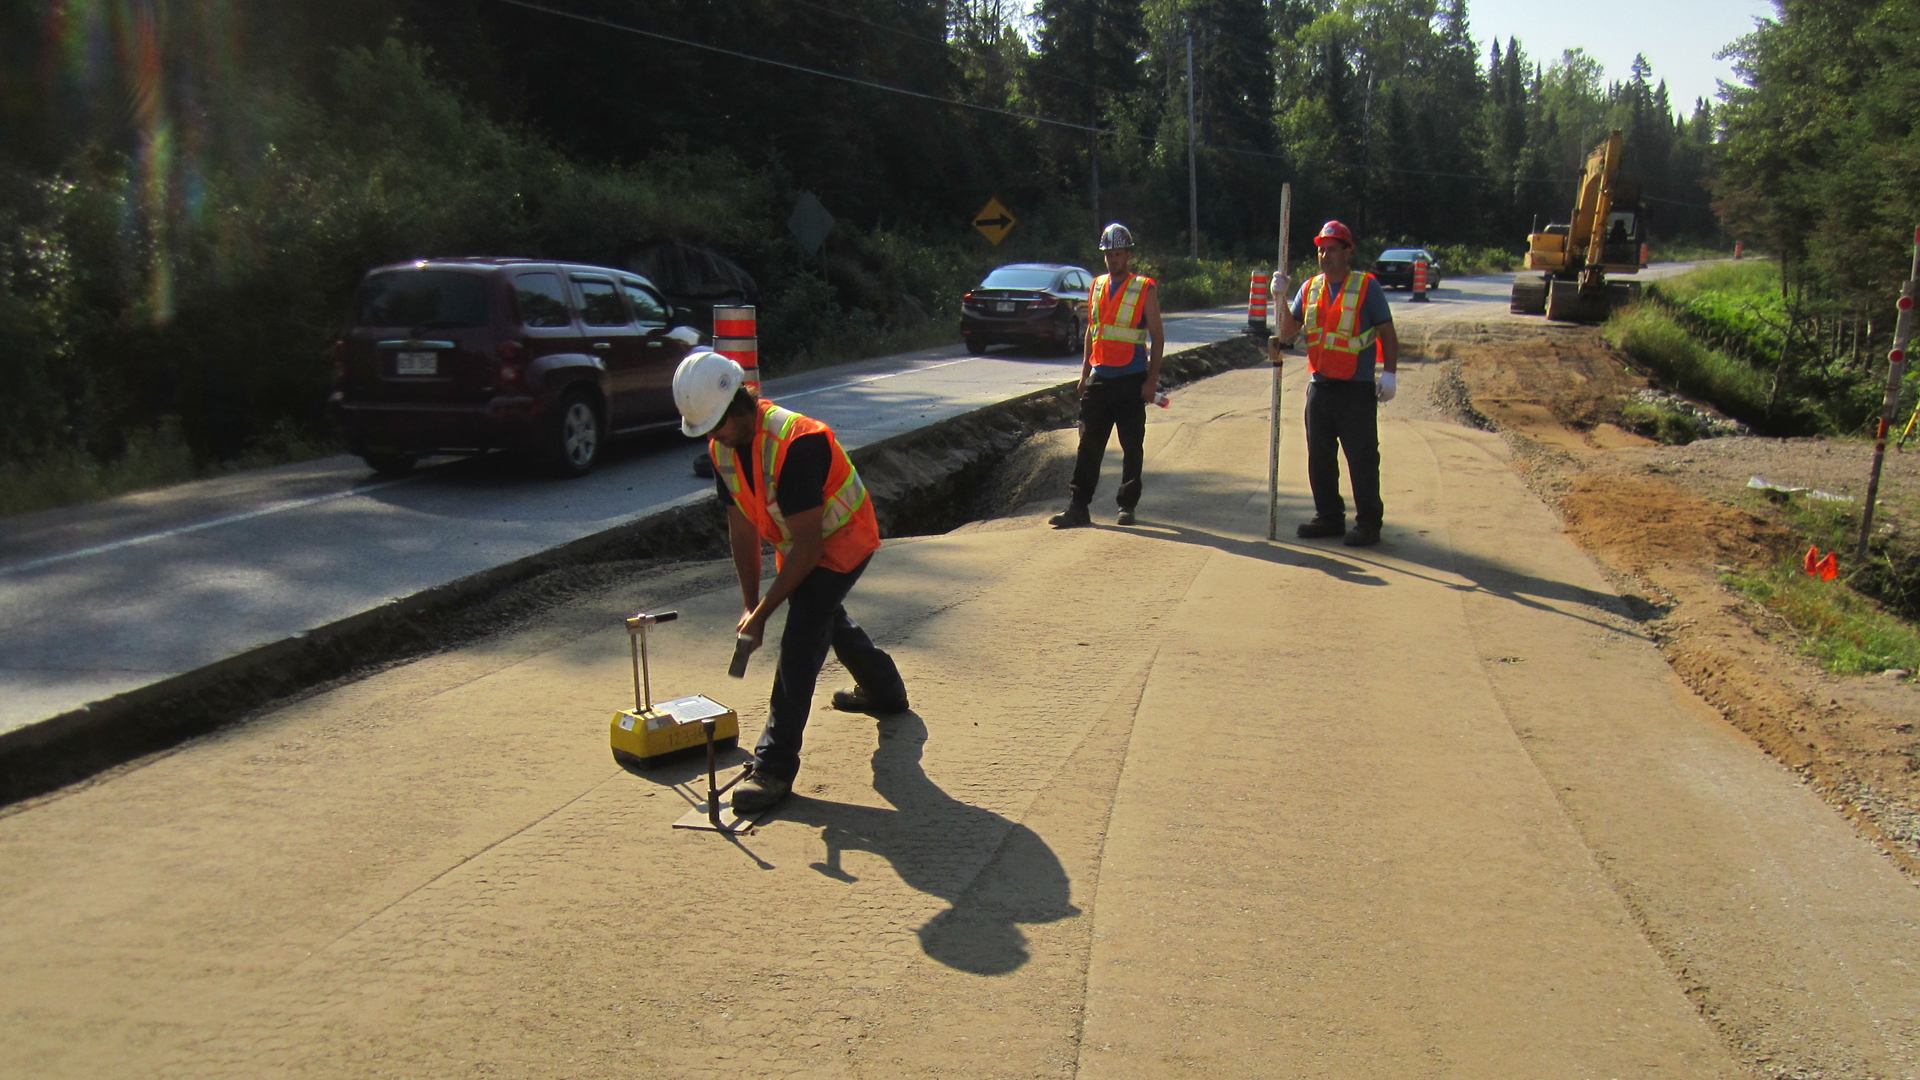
995	873
1357	567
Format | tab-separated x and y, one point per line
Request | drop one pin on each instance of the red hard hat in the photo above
1333	230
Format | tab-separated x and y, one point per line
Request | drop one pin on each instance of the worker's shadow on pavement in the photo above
1353	573
1479	575
996	873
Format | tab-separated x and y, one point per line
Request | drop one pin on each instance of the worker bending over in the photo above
1119	374
789	483
1349	332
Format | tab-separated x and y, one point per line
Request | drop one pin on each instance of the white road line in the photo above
291	504
875	378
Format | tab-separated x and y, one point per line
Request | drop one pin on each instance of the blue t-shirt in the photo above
1374	312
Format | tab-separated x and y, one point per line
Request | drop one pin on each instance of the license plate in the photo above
416	363
1004	305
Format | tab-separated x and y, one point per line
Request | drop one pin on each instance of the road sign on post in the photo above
993	222
809	223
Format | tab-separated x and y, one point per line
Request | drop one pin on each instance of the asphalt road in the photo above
105	598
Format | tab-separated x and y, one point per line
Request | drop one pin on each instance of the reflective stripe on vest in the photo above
1333	343
1116	325
778	429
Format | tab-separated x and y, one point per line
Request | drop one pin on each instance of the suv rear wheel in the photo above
574	437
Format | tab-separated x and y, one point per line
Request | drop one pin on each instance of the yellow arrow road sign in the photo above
993	221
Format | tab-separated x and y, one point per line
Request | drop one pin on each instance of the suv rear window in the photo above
646	307
543	300
600	303
422	299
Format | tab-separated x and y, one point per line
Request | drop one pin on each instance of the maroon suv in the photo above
472	354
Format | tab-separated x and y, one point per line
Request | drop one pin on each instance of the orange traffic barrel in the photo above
1420	280
1257	304
736	336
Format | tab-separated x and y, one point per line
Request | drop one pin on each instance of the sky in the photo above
1679	37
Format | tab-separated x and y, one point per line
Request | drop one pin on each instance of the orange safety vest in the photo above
1117	325
846	520
1334	343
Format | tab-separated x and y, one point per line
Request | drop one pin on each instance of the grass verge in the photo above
151	458
1847	633
1649	333
1862	621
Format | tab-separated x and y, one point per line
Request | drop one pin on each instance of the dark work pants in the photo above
1344	415
816	621
1109	404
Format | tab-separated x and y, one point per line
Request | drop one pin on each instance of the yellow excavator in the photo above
1604	237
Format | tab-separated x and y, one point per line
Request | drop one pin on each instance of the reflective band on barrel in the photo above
734	322
742	351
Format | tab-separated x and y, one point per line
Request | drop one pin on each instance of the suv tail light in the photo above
510	353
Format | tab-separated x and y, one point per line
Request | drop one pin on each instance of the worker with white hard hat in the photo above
1352	351
789	483
1119	374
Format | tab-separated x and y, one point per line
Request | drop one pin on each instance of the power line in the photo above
609	24
789	65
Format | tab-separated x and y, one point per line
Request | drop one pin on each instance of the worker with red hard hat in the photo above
788	482
1352	353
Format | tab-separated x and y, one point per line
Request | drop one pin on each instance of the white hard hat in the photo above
703	387
1115	237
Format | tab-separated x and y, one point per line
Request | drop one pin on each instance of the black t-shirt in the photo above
803	476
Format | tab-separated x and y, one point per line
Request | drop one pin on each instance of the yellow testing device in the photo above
651	731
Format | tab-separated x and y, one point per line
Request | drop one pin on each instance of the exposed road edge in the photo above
922	482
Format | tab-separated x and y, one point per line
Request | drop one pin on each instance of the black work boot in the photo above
1320	529
855	699
1124	517
1074	516
1363	535
759	791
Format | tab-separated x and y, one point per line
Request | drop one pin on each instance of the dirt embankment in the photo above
1660	519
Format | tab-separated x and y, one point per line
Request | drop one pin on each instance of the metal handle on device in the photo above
637	638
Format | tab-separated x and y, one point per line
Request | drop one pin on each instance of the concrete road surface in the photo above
1171	801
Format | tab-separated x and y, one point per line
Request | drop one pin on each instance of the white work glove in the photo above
1383	388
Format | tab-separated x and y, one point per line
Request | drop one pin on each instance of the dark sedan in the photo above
1027	304
1394	268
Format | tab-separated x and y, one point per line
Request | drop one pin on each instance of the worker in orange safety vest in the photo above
1353	354
788	482
1119	374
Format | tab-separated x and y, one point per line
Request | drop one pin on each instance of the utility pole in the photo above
1366	156
1193	171
1093	118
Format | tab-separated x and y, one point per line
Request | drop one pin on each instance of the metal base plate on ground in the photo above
730	822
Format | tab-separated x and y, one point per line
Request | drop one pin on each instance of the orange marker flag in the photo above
1830	566
1810	562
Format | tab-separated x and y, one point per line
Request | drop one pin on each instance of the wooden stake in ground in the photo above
1276	352
1896	368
